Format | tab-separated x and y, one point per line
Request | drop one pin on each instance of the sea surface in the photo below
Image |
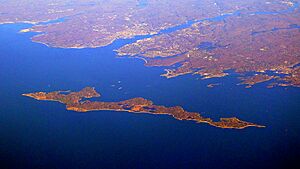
42	134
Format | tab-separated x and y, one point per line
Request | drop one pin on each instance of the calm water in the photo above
40	134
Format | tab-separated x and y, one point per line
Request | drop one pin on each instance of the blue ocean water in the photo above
41	134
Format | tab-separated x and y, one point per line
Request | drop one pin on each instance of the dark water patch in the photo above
65	92
121	42
72	3
191	22
297	65
59	20
176	28
223	17
207	46
292	26
142	3
210	46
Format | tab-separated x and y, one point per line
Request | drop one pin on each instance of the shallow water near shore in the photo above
41	134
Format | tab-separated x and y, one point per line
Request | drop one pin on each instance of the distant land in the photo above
258	39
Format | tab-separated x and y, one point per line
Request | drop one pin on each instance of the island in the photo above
74	101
